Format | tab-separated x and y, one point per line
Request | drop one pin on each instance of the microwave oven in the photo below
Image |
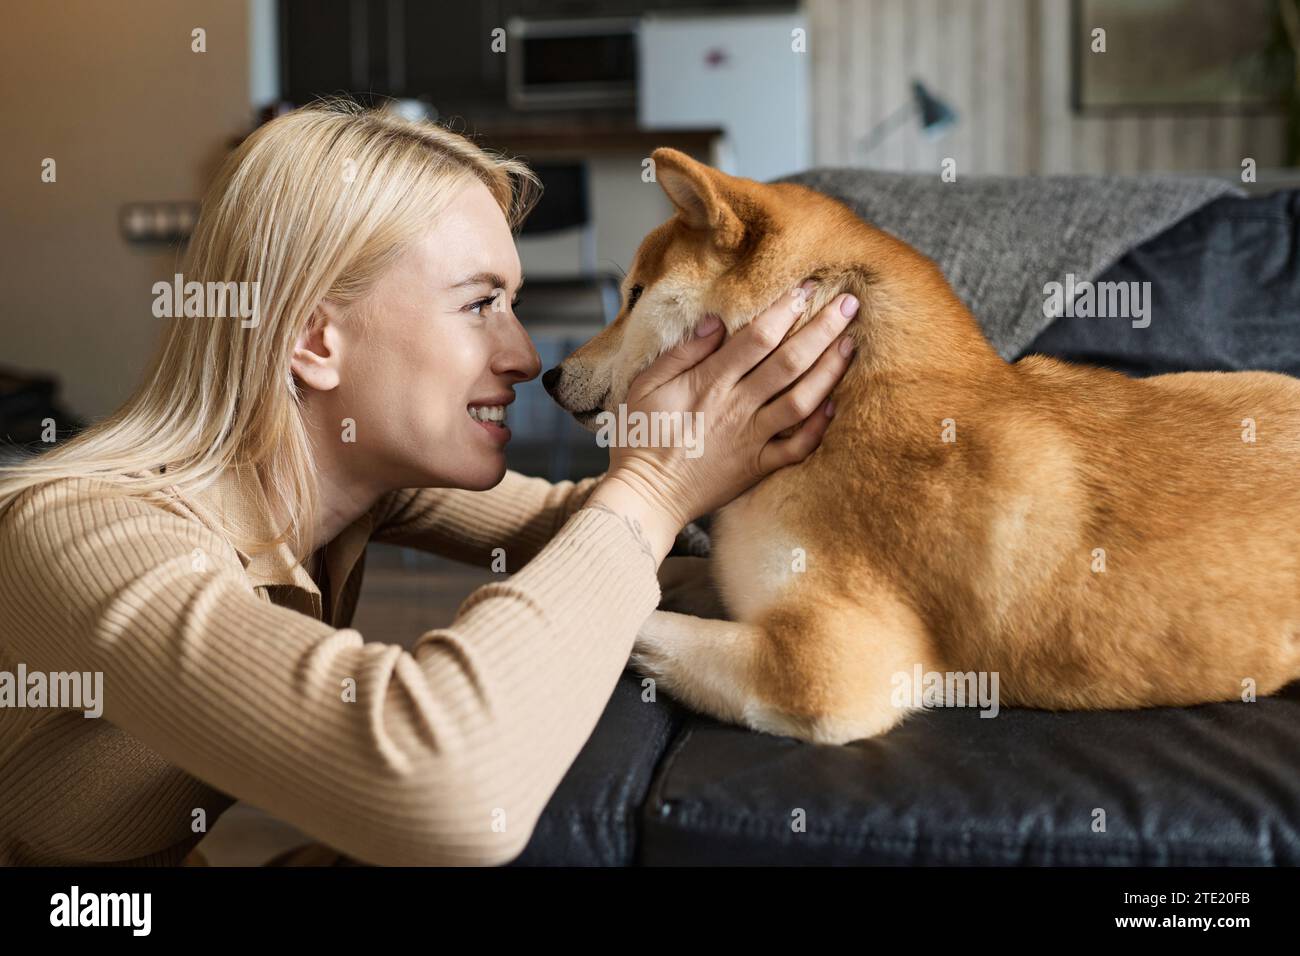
571	63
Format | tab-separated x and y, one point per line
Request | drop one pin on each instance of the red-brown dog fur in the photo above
978	554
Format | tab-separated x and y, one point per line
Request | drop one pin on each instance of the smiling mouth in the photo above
488	414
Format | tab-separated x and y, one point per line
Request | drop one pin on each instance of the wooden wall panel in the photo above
1005	66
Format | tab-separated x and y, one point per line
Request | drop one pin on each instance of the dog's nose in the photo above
551	378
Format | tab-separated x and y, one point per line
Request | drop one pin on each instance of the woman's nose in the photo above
518	356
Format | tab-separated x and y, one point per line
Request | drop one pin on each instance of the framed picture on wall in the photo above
1179	56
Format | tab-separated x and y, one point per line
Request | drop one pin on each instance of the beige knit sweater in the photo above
232	676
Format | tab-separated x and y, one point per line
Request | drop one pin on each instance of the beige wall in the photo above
1005	67
111	91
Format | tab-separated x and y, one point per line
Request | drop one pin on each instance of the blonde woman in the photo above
202	547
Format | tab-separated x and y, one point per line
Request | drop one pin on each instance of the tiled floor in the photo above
404	595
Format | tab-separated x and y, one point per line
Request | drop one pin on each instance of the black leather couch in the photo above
1215	784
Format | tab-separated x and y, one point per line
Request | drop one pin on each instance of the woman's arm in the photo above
521	514
449	752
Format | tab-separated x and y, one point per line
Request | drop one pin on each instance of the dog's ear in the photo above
693	189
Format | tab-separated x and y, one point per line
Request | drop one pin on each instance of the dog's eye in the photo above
633	296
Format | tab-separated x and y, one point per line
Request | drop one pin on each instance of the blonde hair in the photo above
314	205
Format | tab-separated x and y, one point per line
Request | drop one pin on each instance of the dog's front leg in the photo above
787	677
708	665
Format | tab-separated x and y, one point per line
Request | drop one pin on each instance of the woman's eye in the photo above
477	306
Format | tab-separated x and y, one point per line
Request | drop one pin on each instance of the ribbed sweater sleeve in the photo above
445	754
520	515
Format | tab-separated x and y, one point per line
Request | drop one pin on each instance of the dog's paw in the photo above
649	661
652	652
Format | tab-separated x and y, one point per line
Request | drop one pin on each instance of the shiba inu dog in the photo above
1093	540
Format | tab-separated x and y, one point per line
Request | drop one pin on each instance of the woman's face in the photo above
428	363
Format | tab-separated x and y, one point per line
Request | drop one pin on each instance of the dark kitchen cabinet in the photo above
416	48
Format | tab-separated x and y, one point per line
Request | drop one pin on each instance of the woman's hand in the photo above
747	392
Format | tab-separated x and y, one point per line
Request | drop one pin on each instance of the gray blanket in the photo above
1001	239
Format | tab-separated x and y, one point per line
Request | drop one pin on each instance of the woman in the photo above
202	548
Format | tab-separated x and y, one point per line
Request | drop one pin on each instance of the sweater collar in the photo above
234	500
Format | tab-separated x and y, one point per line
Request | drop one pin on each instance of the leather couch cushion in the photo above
1215	784
593	817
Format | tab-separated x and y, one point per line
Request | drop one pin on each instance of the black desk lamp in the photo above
934	114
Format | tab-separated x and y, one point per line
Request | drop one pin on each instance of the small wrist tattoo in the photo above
633	525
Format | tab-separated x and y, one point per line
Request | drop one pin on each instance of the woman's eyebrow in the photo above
488	279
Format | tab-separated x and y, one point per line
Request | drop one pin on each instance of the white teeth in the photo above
488	413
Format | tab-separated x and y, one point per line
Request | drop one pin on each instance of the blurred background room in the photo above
137	101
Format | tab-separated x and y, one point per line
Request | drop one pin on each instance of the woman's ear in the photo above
318	354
